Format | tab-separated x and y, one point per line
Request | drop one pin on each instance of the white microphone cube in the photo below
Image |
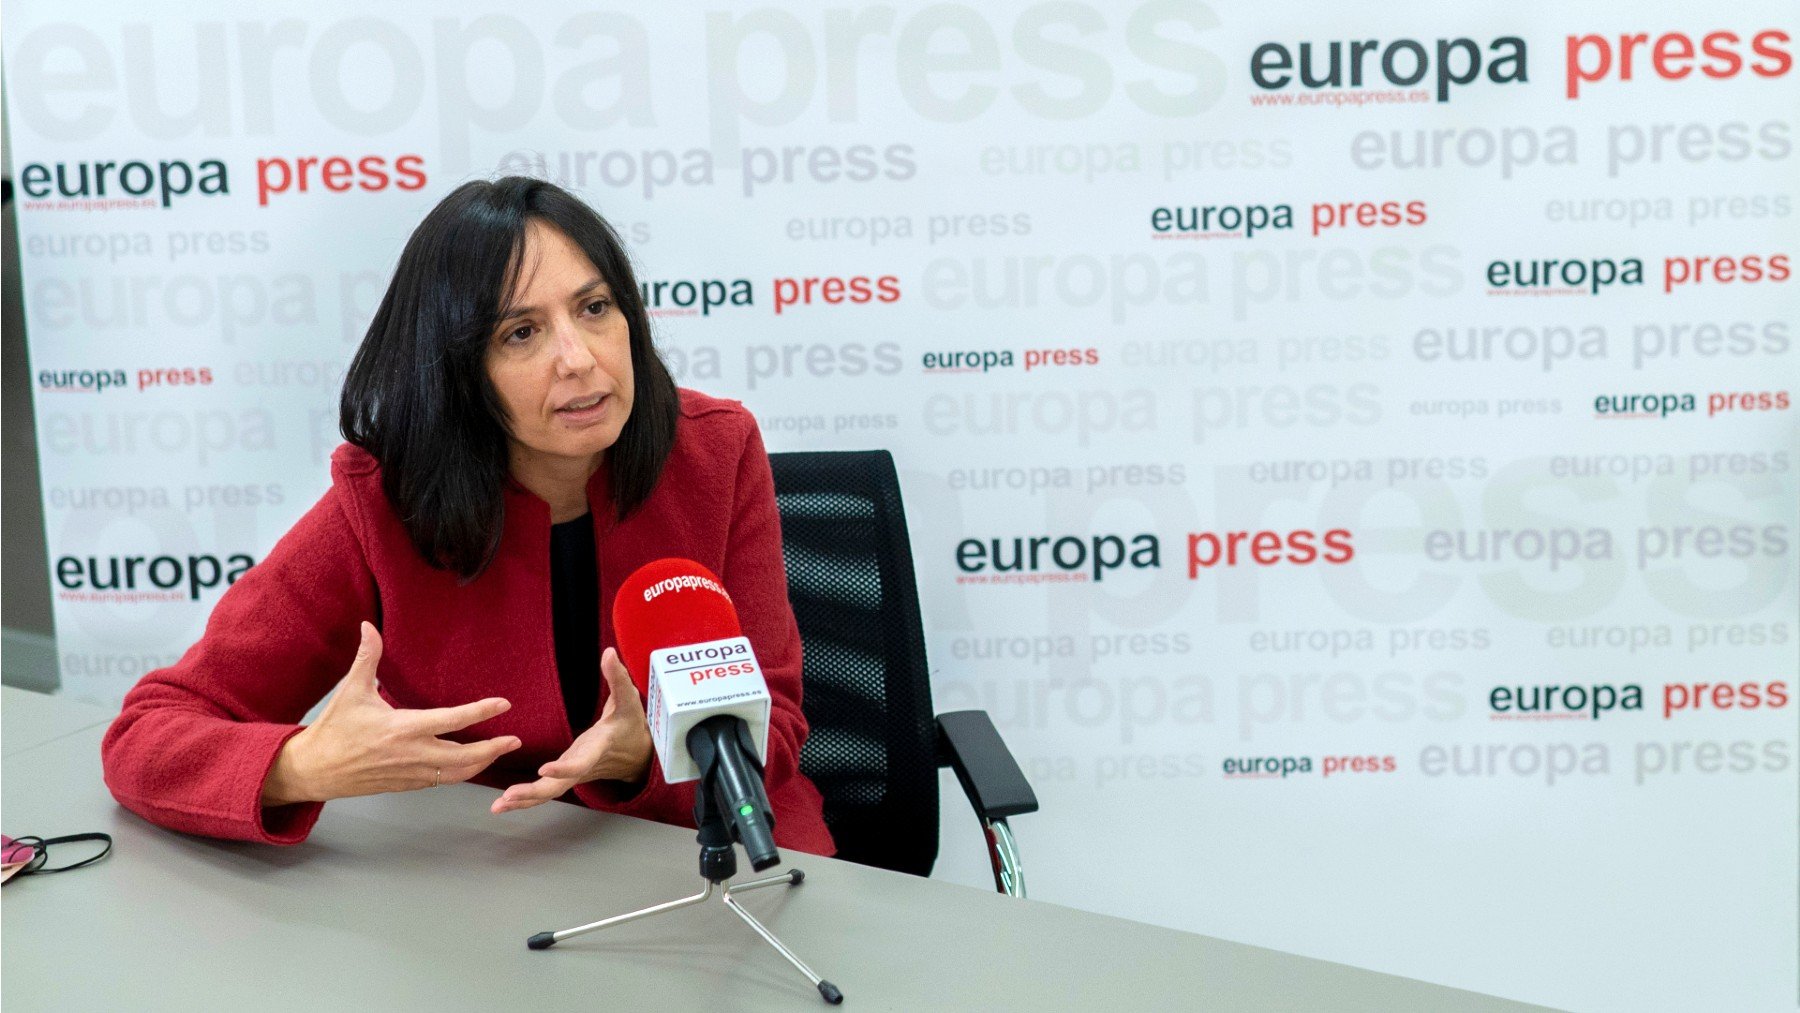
691	683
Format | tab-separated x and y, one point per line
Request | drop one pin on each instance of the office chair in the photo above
875	747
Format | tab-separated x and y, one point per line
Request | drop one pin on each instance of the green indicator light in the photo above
745	810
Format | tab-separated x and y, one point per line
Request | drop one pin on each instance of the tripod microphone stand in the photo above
718	863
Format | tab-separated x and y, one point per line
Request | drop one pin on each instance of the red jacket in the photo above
195	741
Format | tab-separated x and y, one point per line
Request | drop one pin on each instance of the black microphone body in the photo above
725	751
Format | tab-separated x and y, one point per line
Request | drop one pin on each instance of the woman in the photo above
516	449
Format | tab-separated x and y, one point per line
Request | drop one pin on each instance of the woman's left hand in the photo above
616	748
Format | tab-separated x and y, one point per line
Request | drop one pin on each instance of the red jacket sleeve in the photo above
756	578
194	742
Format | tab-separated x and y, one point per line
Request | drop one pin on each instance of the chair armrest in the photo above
968	742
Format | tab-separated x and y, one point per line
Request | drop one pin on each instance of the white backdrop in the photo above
1350	454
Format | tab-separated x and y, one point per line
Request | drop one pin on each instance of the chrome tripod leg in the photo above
792	877
545	940
826	988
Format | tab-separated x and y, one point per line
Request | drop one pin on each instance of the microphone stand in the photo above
718	863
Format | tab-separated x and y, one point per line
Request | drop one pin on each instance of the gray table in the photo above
423	900
28	720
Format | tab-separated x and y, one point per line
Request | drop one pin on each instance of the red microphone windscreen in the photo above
669	603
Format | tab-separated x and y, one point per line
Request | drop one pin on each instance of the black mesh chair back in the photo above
872	749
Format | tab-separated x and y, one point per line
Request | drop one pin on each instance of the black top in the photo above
575	614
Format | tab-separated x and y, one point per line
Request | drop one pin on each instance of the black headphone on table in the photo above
40	858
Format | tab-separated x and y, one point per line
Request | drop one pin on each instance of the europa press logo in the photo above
113	184
1562	275
1280	768
99	381
135	579
1220	221
1373	72
1551	702
982	360
1589	276
1673	56
1233	221
1660	405
80	381
1044	559
687	298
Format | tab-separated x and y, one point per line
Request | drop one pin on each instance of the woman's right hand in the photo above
360	745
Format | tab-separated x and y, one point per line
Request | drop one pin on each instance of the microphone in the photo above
705	697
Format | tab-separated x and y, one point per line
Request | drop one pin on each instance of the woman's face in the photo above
561	359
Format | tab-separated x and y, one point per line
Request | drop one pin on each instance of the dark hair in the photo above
417	395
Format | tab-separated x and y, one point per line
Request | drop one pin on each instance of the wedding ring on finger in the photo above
437	778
